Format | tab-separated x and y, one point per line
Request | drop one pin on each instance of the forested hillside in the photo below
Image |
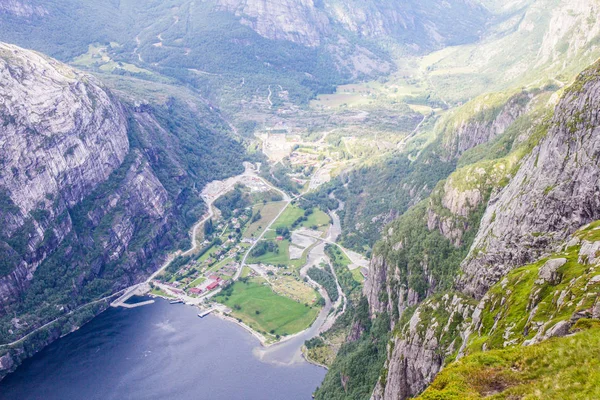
94	194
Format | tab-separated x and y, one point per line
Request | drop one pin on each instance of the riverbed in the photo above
160	351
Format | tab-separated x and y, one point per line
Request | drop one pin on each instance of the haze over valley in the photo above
375	199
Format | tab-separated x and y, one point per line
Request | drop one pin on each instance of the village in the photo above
253	247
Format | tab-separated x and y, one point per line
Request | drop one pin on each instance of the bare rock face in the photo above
312	22
549	272
61	135
487	120
556	191
437	329
22	9
296	21
382	279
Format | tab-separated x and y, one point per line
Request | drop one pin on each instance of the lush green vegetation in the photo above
257	305
263	248
350	286
375	194
295	217
185	156
325	278
561	368
359	361
234	200
209	50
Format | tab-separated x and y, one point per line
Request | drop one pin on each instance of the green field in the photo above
268	212
358	277
158	292
197	282
292	213
277	314
271	258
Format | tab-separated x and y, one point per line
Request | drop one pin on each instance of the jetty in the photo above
205	313
136	290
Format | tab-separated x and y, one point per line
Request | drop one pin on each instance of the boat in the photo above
178	301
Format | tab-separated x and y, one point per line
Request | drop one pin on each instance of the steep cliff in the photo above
62	135
555	192
416	24
542	189
94	191
535	331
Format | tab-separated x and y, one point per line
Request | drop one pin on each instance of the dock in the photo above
138	290
134	305
205	313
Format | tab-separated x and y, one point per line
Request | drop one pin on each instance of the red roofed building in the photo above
212	286
195	291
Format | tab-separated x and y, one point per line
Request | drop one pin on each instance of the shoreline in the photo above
311	361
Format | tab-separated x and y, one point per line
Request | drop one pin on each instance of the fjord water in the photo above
159	351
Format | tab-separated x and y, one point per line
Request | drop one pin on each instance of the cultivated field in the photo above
262	309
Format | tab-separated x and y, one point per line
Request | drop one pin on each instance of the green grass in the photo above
272	258
318	218
197	282
209	253
277	313
358	277
268	213
289	216
292	213
512	321
562	368
158	292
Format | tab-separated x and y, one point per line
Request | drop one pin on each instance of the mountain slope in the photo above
96	190
523	221
307	47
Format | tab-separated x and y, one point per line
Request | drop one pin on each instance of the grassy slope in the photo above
279	314
563	368
517	309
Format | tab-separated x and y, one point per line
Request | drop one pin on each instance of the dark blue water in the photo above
159	351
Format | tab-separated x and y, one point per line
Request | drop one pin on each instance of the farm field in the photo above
268	212
282	257
293	213
257	305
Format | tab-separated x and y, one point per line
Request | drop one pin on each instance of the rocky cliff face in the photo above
297	21
556	190
416	24
417	353
93	193
22	9
61	136
540	195
482	120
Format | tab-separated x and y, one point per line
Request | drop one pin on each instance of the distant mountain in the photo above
419	25
306	46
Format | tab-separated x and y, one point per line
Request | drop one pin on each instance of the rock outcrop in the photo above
418	352
542	195
482	120
94	191
61	135
556	191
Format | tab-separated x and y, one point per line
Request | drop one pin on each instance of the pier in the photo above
205	313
